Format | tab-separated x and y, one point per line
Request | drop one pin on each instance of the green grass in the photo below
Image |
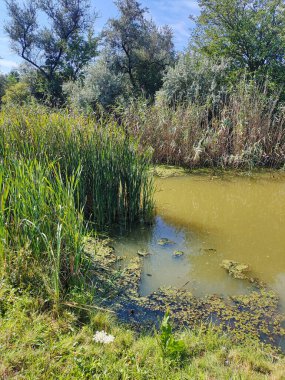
114	185
61	176
35	345
41	228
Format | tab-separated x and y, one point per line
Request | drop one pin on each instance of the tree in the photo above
195	79
249	32
61	48
99	86
7	81
138	47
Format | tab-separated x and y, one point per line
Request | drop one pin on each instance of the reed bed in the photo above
41	229
244	130
60	174
114	185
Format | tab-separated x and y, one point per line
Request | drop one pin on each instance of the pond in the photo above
202	220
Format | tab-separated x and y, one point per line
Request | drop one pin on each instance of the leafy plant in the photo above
171	347
249	32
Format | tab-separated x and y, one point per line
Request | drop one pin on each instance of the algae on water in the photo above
143	253
165	241
235	269
178	254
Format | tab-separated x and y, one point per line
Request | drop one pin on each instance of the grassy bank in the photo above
35	345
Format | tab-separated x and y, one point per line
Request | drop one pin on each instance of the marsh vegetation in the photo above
114	265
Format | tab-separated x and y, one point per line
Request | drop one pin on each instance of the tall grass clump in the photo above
114	184
41	228
61	173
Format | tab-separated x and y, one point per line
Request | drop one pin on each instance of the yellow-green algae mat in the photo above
255	315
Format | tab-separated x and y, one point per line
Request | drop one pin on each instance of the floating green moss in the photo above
165	241
143	253
255	314
178	254
235	269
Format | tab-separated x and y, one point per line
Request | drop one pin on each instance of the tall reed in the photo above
60	172
246	130
42	230
114	185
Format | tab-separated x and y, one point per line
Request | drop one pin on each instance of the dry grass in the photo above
246	130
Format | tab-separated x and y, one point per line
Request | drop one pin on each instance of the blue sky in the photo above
172	12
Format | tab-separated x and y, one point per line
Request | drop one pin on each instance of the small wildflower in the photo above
103	337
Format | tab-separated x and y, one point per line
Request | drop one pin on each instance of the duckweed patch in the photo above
166	171
178	254
143	253
254	315
35	345
165	241
235	269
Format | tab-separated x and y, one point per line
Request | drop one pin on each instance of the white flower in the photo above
103	337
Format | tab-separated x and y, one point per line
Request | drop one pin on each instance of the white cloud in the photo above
4	39
175	13
181	28
7	65
178	6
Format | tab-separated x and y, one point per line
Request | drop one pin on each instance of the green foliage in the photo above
28	337
58	50
195	79
138	48
40	222
114	185
17	94
12	78
100	86
3	82
171	347
58	172
249	32
7	81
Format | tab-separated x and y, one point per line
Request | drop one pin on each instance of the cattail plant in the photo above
59	173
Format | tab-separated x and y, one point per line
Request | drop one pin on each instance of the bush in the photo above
100	86
17	94
195	79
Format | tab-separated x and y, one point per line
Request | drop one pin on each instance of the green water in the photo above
210	219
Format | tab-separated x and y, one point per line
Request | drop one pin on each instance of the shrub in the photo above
17	94
195	79
101	86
